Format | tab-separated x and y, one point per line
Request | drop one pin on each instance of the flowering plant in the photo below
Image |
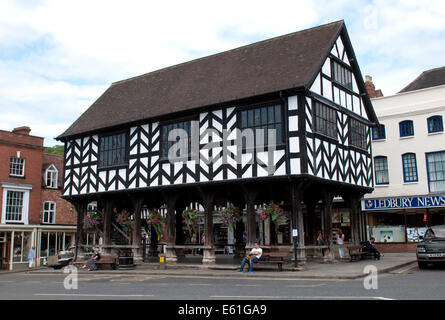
156	220
123	219
91	219
274	212
191	221
230	216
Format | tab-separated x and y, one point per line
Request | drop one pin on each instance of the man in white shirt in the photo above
253	256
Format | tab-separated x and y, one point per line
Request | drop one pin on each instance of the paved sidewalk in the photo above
313	269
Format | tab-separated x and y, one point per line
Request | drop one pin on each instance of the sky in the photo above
58	56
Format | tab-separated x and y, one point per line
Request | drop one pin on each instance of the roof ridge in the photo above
224	52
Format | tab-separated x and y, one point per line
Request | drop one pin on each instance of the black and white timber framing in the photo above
310	165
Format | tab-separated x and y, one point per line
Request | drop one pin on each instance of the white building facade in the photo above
408	166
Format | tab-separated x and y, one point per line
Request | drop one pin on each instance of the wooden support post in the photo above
208	198
171	232
327	223
81	207
298	223
353	201
137	238
250	195
106	221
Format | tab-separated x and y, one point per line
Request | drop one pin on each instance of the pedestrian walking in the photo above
31	257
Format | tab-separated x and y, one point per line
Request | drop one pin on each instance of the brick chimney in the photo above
370	88
22	130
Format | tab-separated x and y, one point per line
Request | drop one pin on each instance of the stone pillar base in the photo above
180	252
137	259
209	256
328	255
170	255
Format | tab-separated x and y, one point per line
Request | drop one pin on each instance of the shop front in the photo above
397	223
17	241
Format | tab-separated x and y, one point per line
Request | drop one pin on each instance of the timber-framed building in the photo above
307	86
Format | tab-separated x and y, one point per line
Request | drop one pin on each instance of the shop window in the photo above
18	247
435	163
406	128
381	170
379	132
435	124
409	167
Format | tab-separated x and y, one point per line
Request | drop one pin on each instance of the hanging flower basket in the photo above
92	219
123	219
273	212
191	221
230	216
156	220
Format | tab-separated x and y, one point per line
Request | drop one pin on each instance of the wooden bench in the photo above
277	258
106	262
358	253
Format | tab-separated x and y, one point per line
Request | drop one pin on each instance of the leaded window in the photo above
357	134
381	170
325	120
113	150
264	118
409	167
182	141
341	75
17	167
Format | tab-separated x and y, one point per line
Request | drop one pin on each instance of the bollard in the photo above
162	261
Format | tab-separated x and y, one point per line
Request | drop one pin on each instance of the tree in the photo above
57	149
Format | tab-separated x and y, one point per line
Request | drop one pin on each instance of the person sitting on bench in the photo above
91	263
253	256
369	247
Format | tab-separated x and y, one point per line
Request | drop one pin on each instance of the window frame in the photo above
404	123
254	127
23	165
52	169
376	172
48	212
190	120
25	206
347	71
351	140
406	169
431	119
380	129
428	170
327	120
126	150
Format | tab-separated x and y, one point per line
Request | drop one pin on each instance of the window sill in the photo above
17	177
379	140
382	185
407	137
413	182
435	133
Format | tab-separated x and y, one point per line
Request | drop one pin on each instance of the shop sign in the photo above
404	202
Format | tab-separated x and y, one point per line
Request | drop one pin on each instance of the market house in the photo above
306	87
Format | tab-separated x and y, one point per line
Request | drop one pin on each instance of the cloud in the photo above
57	57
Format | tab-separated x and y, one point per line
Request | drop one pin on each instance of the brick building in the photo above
32	212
